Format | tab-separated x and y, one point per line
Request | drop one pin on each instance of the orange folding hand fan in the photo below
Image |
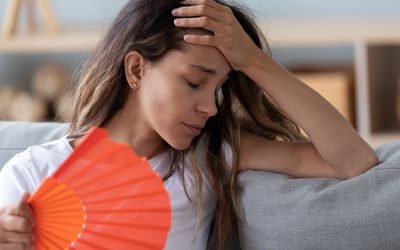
102	197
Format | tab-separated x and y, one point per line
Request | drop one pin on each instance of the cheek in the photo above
167	106
163	104
163	99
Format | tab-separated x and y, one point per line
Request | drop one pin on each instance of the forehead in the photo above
206	56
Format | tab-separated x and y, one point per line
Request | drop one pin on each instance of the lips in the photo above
193	129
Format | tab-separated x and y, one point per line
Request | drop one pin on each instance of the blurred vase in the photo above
19	105
50	82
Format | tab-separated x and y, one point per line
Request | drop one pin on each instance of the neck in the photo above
126	128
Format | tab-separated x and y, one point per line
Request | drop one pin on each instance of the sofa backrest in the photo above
15	137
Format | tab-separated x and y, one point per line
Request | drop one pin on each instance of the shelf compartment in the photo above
384	74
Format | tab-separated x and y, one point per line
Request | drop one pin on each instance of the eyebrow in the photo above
204	69
210	71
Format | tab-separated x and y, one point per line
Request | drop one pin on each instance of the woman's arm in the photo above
293	158
336	148
336	141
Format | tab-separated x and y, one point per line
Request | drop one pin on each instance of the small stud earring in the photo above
135	86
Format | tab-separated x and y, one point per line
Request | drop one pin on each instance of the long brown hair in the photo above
147	26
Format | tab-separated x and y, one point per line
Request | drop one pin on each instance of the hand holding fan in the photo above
102	197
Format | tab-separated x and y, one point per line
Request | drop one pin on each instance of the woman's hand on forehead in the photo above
229	36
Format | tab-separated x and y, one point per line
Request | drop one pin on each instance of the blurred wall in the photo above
16	69
325	8
103	10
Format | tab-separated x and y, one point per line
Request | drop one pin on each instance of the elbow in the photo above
373	159
361	163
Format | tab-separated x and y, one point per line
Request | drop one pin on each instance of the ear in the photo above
134	68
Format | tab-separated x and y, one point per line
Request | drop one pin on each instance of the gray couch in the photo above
280	212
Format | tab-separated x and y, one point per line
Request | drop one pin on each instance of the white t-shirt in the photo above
26	170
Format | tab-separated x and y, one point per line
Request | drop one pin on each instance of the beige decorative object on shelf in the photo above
6	96
19	105
30	16
12	12
50	82
50	19
10	18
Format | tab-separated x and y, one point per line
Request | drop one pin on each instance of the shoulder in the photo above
53	152
36	154
25	171
202	147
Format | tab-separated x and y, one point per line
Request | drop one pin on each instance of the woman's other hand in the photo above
16	226
229	36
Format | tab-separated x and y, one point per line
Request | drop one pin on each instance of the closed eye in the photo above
193	86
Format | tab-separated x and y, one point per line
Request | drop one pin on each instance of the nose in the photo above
207	106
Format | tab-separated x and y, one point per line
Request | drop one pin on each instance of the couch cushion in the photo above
363	212
17	136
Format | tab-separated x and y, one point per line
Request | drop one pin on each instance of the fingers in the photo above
198	10
209	15
206	23
26	212
24	197
201	40
16	224
12	246
22	209
13	237
198	22
203	15
209	3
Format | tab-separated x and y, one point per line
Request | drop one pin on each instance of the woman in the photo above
190	85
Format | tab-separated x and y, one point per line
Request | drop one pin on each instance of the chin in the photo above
180	145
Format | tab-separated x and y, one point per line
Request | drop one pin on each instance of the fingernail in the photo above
174	12
177	21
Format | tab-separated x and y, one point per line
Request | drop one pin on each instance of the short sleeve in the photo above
228	154
228	151
16	177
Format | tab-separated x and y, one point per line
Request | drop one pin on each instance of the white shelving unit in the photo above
70	40
376	46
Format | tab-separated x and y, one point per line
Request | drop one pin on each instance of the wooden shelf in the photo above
326	32
280	33
64	42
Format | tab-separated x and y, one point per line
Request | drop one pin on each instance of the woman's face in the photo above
177	95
